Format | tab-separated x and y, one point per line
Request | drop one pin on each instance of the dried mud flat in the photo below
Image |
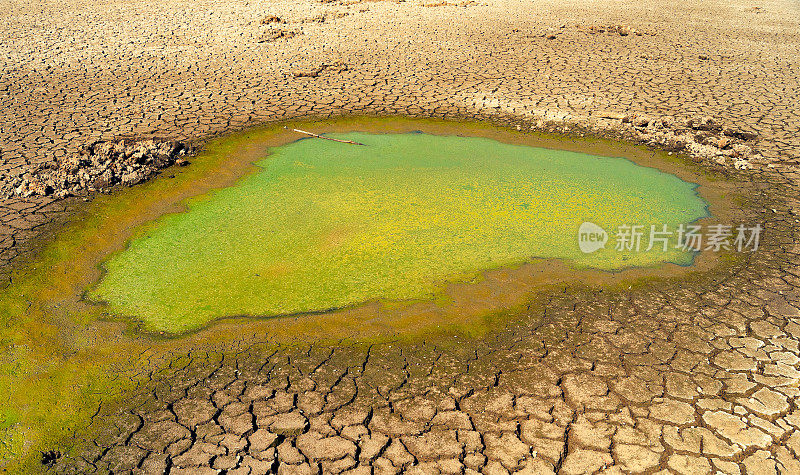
683	377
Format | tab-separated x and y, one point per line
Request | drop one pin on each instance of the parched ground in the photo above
685	378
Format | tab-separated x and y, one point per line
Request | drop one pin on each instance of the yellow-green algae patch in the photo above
325	225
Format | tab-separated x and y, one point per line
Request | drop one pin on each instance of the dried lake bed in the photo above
690	370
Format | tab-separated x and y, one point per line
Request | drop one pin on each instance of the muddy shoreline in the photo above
714	189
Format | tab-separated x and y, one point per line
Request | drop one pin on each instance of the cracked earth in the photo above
693	376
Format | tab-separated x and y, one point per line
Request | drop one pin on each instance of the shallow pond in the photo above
324	225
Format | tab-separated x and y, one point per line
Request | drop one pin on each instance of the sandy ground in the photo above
685	380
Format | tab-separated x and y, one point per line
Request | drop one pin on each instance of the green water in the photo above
325	225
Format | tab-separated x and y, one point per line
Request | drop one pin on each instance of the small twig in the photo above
321	137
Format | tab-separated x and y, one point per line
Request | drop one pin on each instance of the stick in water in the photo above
326	138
